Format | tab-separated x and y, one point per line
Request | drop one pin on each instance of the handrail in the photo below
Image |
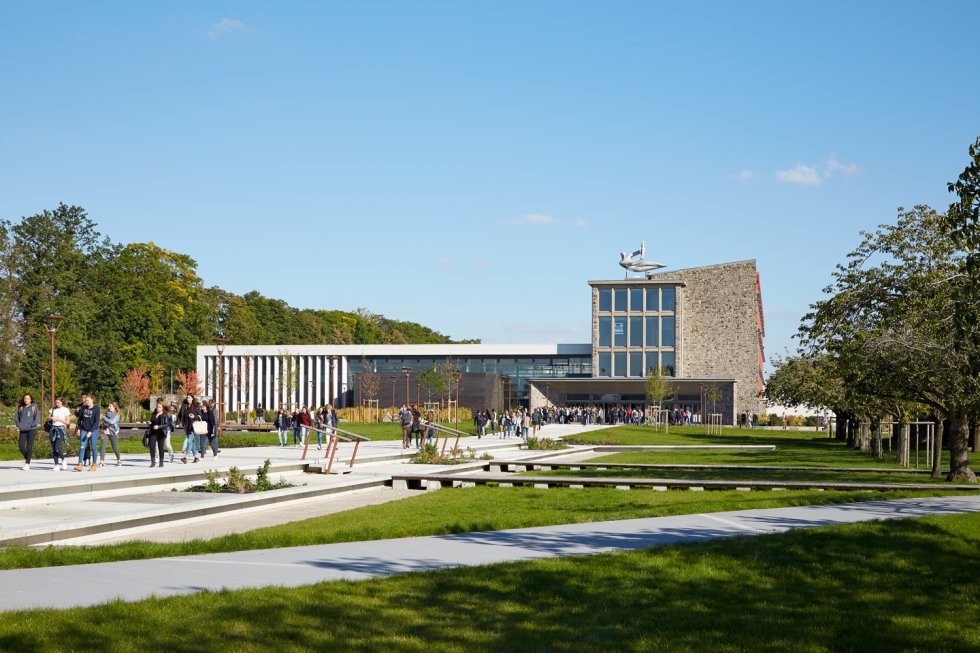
333	441
449	431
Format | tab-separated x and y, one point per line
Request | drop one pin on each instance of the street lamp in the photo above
408	372
393	391
52	321
333	394
220	344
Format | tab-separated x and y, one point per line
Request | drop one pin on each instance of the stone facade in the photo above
720	325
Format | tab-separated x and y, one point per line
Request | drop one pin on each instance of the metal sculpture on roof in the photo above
637	262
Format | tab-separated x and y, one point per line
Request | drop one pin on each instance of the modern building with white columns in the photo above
316	375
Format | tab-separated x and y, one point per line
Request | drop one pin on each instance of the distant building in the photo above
702	325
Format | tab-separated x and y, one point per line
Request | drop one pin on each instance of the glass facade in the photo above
518	369
637	330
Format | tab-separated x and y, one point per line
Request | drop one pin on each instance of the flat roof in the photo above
553	349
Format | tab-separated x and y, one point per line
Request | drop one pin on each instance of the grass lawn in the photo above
903	585
792	448
449	511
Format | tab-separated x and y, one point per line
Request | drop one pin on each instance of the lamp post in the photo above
52	321
220	344
393	391
332	395
408	372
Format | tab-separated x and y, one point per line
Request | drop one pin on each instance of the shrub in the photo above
544	444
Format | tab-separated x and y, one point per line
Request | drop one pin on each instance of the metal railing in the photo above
333	441
448	431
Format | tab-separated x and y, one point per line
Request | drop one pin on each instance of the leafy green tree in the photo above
887	321
433	381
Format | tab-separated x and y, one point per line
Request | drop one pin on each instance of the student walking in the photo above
282	426
88	422
210	439
109	430
186	417
28	419
159	422
60	418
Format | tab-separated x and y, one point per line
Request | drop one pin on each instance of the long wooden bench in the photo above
436	481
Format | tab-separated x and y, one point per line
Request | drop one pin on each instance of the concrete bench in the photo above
436	481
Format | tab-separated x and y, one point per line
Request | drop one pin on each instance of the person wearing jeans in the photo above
282	426
110	432
88	423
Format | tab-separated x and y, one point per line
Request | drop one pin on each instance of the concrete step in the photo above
96	516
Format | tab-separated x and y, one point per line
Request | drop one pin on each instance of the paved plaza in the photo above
291	567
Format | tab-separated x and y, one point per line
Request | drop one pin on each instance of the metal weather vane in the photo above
637	262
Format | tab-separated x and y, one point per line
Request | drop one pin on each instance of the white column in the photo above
274	403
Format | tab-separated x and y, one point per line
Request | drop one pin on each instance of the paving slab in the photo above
297	566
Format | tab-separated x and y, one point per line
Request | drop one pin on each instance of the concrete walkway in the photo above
87	585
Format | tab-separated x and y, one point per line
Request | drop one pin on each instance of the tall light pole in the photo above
220	344
52	321
408	373
393	391
333	394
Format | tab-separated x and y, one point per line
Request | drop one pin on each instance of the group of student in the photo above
96	429
197	418
303	419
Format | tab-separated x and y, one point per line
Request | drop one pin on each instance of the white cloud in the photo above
226	26
744	176
802	175
539	218
443	262
815	175
542	219
833	165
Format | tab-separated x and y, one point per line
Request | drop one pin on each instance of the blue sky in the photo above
469	165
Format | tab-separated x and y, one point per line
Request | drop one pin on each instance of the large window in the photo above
605	300
653	332
605	331
619	363
620	297
636	332
619	331
667	337
605	364
636	363
653	299
668	299
667	361
636	300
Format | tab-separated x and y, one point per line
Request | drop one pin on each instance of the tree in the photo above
432	381
370	382
888	322
189	383
135	388
658	386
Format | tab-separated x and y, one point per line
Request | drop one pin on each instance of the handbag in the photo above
146	439
200	427
47	426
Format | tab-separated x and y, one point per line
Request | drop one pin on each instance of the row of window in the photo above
637	331
634	363
637	300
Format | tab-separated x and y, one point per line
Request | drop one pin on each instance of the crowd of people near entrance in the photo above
96	430
301	420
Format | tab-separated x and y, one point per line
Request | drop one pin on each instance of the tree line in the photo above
897	334
138	306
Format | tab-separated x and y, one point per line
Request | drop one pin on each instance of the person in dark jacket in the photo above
159	423
88	425
28	419
210	439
